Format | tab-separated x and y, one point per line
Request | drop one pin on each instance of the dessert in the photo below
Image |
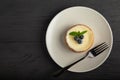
79	38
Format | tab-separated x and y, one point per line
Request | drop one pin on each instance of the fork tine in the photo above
100	47
102	50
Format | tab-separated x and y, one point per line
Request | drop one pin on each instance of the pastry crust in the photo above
92	39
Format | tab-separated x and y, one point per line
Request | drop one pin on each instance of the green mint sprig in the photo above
78	34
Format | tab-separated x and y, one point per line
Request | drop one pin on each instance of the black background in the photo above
23	53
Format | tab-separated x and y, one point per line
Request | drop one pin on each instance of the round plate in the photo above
57	28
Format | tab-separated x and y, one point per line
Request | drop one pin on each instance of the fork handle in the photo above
62	70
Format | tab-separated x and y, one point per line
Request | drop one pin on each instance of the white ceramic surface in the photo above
55	34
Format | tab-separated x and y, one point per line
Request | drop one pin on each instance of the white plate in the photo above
57	48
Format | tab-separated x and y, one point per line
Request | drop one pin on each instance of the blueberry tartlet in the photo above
79	38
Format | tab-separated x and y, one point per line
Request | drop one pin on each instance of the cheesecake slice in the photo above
86	39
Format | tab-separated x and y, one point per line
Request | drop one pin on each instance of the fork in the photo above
94	52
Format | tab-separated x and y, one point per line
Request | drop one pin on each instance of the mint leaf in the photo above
77	33
83	32
73	33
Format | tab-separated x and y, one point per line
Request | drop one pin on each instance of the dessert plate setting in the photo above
56	44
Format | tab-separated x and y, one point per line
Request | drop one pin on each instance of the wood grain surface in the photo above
23	53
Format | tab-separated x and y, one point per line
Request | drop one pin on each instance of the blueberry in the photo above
81	37
76	38
79	41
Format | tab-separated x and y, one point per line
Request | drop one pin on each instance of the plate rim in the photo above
111	36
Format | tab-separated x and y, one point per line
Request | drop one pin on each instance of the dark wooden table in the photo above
23	25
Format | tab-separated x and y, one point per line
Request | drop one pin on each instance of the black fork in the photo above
94	51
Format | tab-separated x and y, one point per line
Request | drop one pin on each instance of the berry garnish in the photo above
82	36
78	36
